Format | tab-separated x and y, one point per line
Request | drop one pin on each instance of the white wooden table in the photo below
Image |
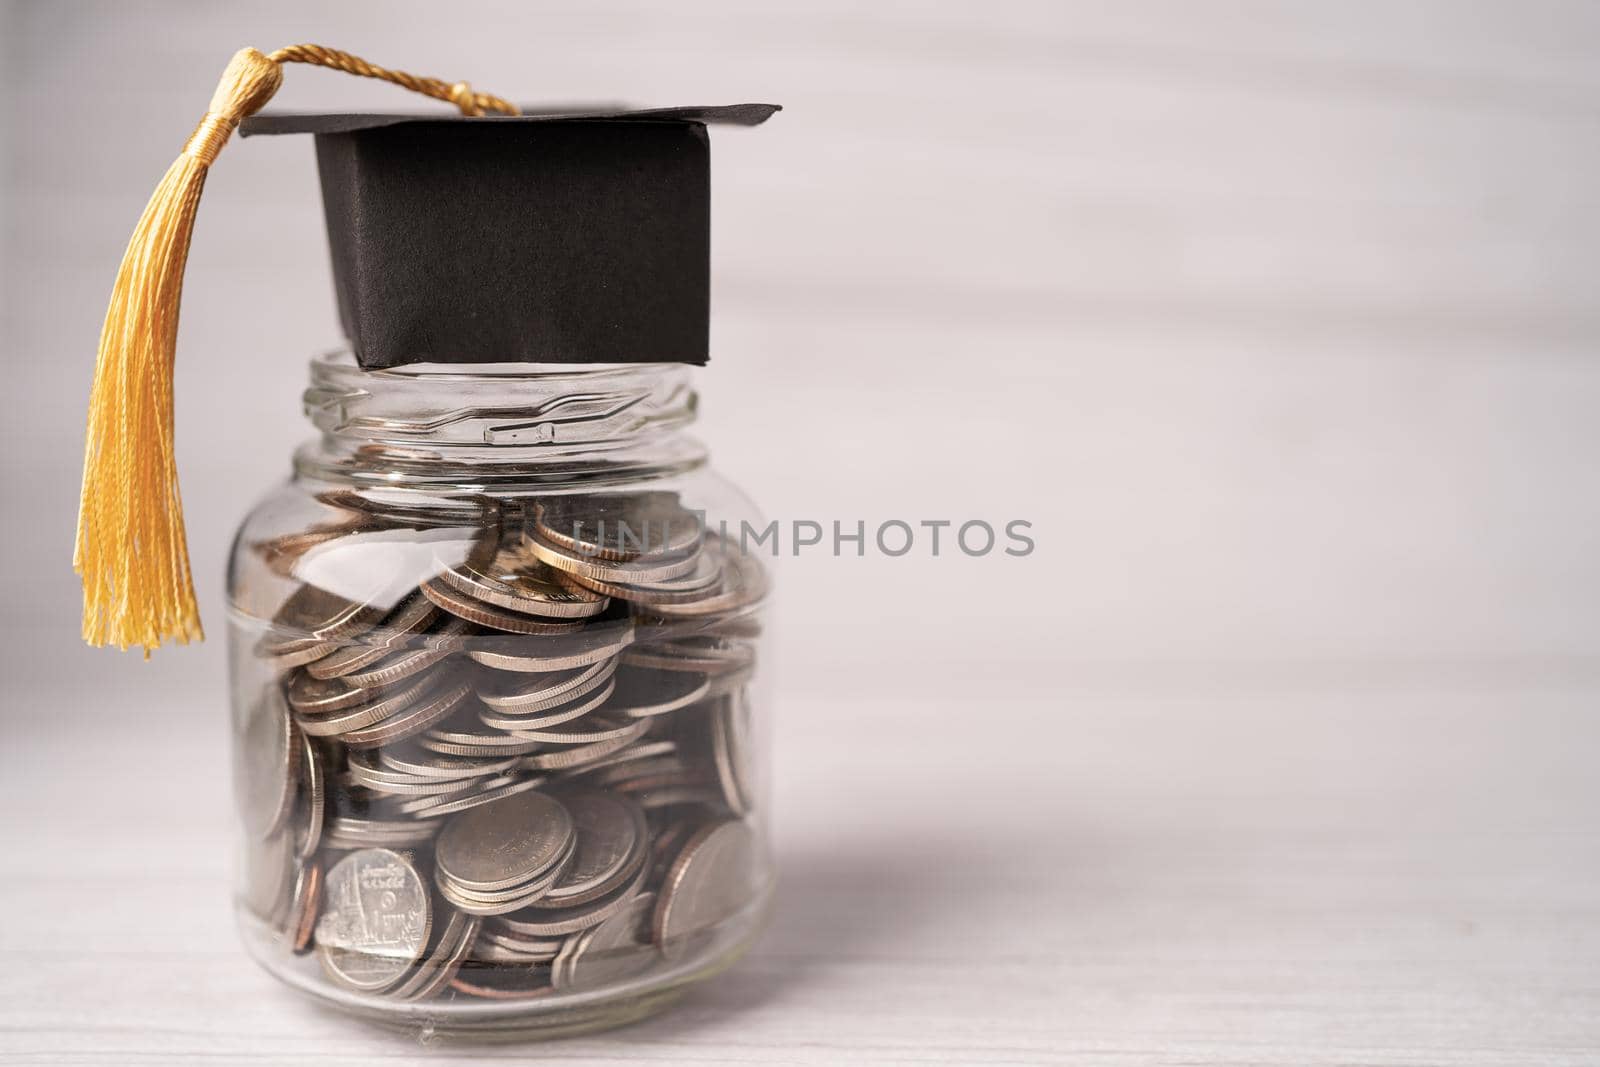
1389	876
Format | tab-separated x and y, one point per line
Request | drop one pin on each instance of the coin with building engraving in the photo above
376	917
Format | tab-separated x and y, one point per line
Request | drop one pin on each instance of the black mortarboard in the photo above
548	238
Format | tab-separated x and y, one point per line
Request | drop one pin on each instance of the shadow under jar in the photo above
498	709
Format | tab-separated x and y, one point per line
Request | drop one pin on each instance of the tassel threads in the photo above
131	549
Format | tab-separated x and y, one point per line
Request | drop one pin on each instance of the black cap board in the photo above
546	237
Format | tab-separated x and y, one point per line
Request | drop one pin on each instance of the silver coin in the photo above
670	796
442	942
421	804
272	643
379	706
366	769
618	526
481	791
516	582
612	838
434	972
314	801
625	572
465	736
643	691
403	663
730	752
504	844
539	917
709	881
311	611
496	906
435	707
502	901
415	506
321	696
643	750
619	776
528	694
352	831
713	656
578	756
285	656
266	765
585	648
269	872
429	788
518	722
679	777
669	839
724	684
346	658
613	951
375	920
517	895
447	971
411	759
708	567
707	573
476	611
413	615
489	747
743	584
497	947
589	730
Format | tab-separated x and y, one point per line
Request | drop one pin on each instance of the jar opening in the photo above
500	421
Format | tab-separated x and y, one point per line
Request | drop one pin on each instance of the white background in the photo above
1277	321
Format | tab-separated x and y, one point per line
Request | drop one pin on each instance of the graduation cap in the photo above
545	238
489	236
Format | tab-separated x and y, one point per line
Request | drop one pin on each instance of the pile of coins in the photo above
526	772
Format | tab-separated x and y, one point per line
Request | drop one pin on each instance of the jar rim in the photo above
342	361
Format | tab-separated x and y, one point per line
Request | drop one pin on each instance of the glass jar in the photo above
498	707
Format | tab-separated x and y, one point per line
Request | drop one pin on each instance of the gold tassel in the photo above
131	550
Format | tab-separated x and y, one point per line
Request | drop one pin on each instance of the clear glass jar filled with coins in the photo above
498	709
499	700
